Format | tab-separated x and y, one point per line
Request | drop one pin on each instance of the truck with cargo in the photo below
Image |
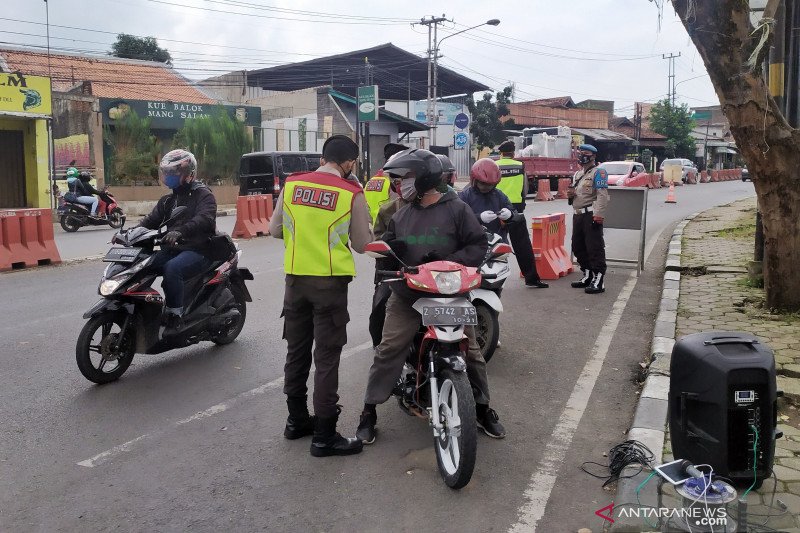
546	156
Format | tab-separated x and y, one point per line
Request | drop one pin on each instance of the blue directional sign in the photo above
461	140
461	121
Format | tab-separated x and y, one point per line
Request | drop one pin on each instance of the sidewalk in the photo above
714	294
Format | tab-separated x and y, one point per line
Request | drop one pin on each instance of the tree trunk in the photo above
721	31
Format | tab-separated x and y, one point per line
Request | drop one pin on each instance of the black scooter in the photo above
128	318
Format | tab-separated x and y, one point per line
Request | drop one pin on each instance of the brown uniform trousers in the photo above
402	323
315	313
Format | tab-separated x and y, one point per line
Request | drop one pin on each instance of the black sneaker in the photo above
489	422
366	427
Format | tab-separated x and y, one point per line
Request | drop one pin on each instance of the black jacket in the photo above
84	188
197	225
448	227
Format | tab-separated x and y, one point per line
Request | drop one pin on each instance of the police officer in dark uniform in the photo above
514	184
588	196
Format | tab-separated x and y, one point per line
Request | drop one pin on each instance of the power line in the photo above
315	21
251	5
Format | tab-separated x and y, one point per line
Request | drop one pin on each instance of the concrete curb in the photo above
650	418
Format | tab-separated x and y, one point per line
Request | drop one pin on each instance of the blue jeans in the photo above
88	200
177	266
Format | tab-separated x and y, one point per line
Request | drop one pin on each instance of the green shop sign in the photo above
168	115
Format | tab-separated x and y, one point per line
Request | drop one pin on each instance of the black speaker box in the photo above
723	403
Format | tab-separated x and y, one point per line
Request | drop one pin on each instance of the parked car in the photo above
746	174
266	172
625	173
687	167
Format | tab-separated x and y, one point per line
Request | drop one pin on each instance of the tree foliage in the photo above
487	126
146	48
135	150
217	141
676	124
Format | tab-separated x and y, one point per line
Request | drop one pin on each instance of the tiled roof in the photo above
558	101
107	77
646	133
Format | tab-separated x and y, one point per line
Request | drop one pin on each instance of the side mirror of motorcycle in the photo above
176	214
378	250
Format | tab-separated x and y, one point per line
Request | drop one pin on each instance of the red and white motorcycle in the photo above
434	383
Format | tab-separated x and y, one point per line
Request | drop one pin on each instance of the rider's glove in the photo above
172	238
505	213
488	216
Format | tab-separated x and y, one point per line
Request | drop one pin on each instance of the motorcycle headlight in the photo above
448	282
109	286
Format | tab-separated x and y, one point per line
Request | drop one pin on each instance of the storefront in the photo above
25	107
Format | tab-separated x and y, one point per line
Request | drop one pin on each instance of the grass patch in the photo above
743	228
751	283
684	312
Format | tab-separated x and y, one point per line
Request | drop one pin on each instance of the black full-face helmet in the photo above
422	165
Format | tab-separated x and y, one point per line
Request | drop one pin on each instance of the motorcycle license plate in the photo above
449	315
122	255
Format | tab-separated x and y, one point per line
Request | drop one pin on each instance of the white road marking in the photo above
108	454
542	481
104	457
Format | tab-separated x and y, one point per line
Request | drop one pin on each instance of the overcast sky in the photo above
602	49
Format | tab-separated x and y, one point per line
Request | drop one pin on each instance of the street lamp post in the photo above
491	22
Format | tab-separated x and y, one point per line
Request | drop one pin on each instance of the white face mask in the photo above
407	189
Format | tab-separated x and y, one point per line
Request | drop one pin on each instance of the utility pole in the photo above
433	55
671	76
367	163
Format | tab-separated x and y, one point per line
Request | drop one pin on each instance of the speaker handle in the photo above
730	340
683	411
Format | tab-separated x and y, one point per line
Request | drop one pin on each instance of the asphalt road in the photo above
193	438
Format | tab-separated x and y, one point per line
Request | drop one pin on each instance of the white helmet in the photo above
177	167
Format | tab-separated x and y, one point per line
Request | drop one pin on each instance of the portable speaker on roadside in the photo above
723	404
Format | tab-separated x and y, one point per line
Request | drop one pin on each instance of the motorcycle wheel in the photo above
487	332
98	358
456	447
70	223
116	219
236	327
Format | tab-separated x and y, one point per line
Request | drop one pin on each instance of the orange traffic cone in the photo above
671	194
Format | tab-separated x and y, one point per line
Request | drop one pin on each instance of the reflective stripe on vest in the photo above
376	192
512	179
316	225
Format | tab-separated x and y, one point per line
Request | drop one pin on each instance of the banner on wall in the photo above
25	95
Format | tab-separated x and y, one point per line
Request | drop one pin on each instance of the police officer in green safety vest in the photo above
513	182
378	189
320	216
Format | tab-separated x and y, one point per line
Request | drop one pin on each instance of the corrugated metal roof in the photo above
401	75
107	77
603	135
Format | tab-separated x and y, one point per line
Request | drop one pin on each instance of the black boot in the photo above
299	423
596	283
584	281
327	441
